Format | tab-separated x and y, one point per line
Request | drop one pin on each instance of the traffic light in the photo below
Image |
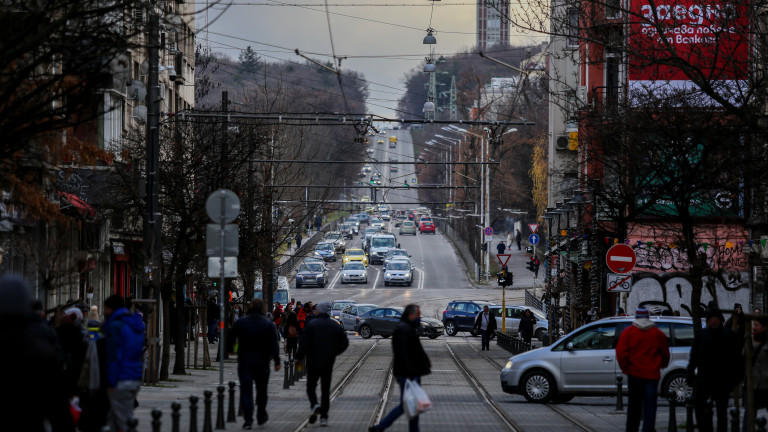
372	182
406	184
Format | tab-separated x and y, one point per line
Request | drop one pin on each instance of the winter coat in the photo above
213	313
277	314
124	333
740	326
491	321
321	341
715	359
257	340
410	360
526	326
642	351
500	248
760	367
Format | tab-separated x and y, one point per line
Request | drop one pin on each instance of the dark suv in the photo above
460	315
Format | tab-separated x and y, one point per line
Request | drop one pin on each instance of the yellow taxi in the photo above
355	255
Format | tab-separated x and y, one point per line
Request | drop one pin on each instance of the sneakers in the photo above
324	422
247	426
315	413
262	420
374	429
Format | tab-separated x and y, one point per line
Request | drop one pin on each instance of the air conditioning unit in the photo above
561	142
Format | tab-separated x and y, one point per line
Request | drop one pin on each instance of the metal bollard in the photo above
286	378
689	413
132	424
156	414
294	376
619	393
760	423
106	429
231	417
175	416
735	420
220	408
193	413
207	425
672	424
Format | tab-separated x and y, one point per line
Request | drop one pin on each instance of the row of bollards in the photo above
513	344
293	373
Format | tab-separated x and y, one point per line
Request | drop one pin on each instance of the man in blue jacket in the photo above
124	337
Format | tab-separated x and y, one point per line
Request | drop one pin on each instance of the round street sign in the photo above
620	258
488	231
222	204
533	239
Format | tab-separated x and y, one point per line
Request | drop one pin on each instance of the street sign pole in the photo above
222	299
504	307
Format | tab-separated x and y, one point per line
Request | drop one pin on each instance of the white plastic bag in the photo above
415	399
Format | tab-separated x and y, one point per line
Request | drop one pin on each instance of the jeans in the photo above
485	339
291	344
642	403
324	375
701	397
212	329
413	424
121	400
250	373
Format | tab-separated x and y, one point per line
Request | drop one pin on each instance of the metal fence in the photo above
306	248
513	344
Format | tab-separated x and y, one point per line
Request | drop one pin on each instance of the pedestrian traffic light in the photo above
372	181
406	184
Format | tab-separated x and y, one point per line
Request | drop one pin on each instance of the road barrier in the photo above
513	344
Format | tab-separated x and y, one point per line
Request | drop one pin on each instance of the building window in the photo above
573	27
612	77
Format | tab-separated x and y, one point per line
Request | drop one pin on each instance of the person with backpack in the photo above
291	326
124	338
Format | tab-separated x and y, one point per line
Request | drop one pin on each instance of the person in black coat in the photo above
257	346
410	362
321	341
715	367
485	323
737	322
527	323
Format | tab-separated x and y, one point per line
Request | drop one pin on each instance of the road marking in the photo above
421	279
378	273
335	279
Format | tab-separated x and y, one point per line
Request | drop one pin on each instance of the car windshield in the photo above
340	305
383	242
408	224
333	236
397	253
281	296
398	265
373	221
355	252
371	230
312	267
365	308
324	246
354	266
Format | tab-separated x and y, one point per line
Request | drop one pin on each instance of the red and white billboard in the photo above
712	36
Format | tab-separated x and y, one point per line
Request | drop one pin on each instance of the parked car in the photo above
325	251
408	227
584	362
513	315
350	315
382	321
427	227
353	255
398	272
311	273
337	306
354	272
460	315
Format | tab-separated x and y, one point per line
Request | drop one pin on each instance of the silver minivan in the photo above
583	362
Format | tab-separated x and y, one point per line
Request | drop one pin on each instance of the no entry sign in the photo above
620	258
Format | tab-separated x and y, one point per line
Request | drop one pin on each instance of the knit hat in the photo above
323	308
641	313
737	306
93	314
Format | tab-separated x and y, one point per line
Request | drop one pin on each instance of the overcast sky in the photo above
396	47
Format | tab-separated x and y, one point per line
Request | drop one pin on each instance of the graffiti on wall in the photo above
666	258
672	291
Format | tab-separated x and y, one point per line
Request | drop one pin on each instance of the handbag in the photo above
415	399
291	332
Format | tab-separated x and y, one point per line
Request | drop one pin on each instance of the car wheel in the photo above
343	283
322	285
538	386
384	336
434	336
540	333
298	285
678	383
386	284
450	328
409	284
365	332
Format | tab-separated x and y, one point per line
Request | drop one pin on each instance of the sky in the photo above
382	51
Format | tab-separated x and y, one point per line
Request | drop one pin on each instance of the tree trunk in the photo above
179	332
166	358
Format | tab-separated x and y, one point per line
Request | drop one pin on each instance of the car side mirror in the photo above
569	346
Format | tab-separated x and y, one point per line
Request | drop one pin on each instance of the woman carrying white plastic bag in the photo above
409	365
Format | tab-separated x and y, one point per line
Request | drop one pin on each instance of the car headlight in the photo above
344	275
317	253
389	275
508	365
299	277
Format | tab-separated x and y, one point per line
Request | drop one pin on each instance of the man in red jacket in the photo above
642	351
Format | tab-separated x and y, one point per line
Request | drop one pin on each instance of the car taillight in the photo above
357	318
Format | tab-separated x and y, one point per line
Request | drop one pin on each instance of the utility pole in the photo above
152	221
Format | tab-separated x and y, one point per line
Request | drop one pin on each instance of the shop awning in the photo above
81	206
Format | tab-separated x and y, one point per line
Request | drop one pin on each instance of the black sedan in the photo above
382	322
